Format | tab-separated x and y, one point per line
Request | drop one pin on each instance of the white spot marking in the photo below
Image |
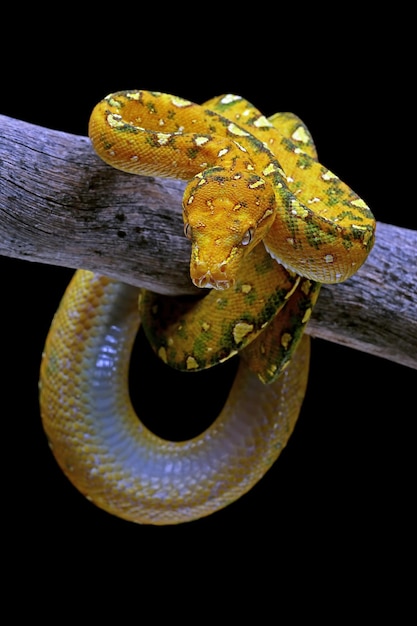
269	169
261	122
360	203
236	130
163	138
229	98
135	95
200	141
329	176
239	146
300	135
180	102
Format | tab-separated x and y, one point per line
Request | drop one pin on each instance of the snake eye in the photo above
187	230
247	237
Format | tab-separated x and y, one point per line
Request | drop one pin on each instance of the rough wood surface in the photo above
61	205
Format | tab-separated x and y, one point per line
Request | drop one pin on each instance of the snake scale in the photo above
267	224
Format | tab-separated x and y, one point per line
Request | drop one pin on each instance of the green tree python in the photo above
267	224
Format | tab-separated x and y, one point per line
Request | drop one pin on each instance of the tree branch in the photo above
61	205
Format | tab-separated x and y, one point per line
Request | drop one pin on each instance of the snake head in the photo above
226	214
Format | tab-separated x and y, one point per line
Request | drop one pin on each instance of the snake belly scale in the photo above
267	225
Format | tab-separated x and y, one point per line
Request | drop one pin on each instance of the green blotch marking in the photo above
272	305
365	211
265	266
256	145
316	237
213	129
297	186
251	297
127	128
293	225
346	242
221	303
107	145
200	345
304	161
350	215
253	179
290	146
151	107
193	153
335	194
218	178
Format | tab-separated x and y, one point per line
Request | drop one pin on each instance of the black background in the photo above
339	497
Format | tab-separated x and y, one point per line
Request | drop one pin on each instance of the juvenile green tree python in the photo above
267	224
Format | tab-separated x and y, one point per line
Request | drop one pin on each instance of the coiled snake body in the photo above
267	224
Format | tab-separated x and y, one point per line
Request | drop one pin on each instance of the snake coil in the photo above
268	224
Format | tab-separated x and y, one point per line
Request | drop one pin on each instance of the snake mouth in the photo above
211	275
208	281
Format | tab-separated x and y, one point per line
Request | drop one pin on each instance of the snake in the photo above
267	225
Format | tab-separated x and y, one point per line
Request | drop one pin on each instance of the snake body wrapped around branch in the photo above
267	225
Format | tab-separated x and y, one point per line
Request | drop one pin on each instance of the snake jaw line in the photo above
208	281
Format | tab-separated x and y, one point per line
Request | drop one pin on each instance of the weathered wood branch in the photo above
61	205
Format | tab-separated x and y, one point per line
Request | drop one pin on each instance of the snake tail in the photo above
103	448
